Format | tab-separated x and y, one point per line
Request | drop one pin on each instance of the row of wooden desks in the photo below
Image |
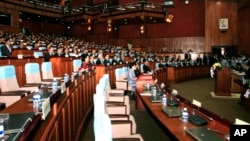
69	111
174	125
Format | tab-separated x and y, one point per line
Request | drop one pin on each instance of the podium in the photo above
223	82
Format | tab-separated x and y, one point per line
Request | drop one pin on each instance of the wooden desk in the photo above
176	127
69	112
179	74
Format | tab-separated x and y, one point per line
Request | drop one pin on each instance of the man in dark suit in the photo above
100	60
6	48
49	54
59	52
187	56
247	70
145	67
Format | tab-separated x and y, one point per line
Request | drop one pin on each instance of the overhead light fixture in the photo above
186	2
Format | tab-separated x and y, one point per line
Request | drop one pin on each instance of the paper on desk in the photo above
146	93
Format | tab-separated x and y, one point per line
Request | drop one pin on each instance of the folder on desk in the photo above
18	122
203	134
172	111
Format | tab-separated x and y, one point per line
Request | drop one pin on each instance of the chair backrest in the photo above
47	72
8	80
102	128
38	54
106	76
124	72
104	82
118	74
76	64
32	72
99	104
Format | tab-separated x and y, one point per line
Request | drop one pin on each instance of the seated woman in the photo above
85	64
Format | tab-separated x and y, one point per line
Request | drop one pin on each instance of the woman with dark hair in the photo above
132	79
85	64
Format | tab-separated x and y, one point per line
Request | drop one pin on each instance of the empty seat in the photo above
107	129
120	82
77	64
47	72
33	74
10	90
38	54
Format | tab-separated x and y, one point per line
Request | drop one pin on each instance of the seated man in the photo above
145	67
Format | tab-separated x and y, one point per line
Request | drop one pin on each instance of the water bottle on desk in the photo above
185	115
66	77
164	100
37	102
1	129
54	84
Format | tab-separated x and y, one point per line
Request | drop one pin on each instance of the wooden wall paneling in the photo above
242	38
81	97
53	134
85	93
171	74
67	118
4	61
61	126
93	84
214	36
100	70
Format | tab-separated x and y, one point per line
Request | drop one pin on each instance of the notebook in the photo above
172	111
203	134
155	99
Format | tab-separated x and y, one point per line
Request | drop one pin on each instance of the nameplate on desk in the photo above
63	87
45	108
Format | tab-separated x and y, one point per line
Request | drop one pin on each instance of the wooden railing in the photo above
179	74
68	115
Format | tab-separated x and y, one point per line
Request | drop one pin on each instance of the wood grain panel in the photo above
214	36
